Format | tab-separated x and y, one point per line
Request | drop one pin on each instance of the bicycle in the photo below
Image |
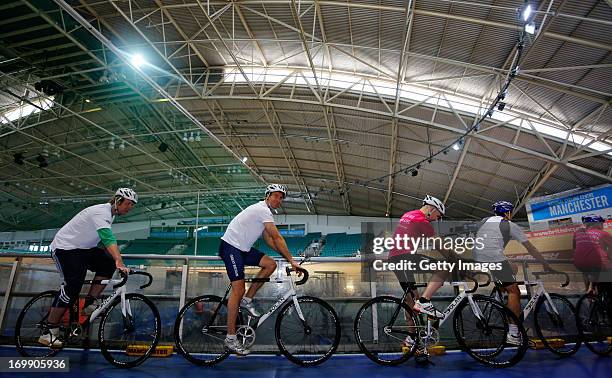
554	316
594	322
129	321
380	331
201	326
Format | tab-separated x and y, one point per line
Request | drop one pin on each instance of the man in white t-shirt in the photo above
75	250
236	250
495	233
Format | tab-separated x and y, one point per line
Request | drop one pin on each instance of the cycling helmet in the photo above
592	218
433	201
502	207
127	193
276	188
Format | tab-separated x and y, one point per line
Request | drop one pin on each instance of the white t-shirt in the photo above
81	232
244	230
492	235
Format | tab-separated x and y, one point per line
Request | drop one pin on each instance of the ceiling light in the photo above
191	137
530	28
527	12
244	159
138	60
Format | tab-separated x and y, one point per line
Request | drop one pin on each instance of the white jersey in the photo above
244	230
495	234
81	232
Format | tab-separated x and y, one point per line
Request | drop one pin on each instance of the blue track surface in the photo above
536	364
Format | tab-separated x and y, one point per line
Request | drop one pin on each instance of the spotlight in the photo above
122	145
163	147
530	28
414	173
526	12
198	138
185	138
501	106
138	60
244	159
191	137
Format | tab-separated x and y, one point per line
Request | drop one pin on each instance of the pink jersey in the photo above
591	248
414	225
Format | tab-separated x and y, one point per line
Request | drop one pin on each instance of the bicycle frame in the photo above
537	293
282	299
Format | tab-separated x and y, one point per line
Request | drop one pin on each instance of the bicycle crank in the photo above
246	336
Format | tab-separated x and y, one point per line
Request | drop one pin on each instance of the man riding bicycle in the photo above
414	224
592	253
75	249
236	250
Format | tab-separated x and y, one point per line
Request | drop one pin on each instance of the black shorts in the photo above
235	260
405	277
73	266
505	276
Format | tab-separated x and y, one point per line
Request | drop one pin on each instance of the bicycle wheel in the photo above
557	329
128	340
200	329
484	337
380	335
31	323
310	341
594	321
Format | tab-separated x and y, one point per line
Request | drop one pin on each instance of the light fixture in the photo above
414	172
185	138
530	28
198	138
191	137
111	144
244	159
122	145
501	106
87	100
526	12
18	158
45	153
137	60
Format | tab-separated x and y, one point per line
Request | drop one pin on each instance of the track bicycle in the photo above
307	329
128	321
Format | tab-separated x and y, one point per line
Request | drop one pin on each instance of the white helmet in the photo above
433	201
276	188
127	193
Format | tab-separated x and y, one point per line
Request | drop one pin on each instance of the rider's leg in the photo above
102	263
233	303
268	266
514	299
434	284
73	269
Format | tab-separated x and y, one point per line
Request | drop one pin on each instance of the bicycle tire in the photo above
491	355
553	318
105	342
363	341
20	342
194	357
330	340
586	330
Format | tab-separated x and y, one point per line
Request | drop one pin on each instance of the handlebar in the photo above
472	290
303	280
487	283
564	284
134	272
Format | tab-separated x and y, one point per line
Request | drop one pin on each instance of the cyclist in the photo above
414	224
592	251
236	250
75	250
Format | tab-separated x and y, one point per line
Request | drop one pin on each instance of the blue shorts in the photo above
235	260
